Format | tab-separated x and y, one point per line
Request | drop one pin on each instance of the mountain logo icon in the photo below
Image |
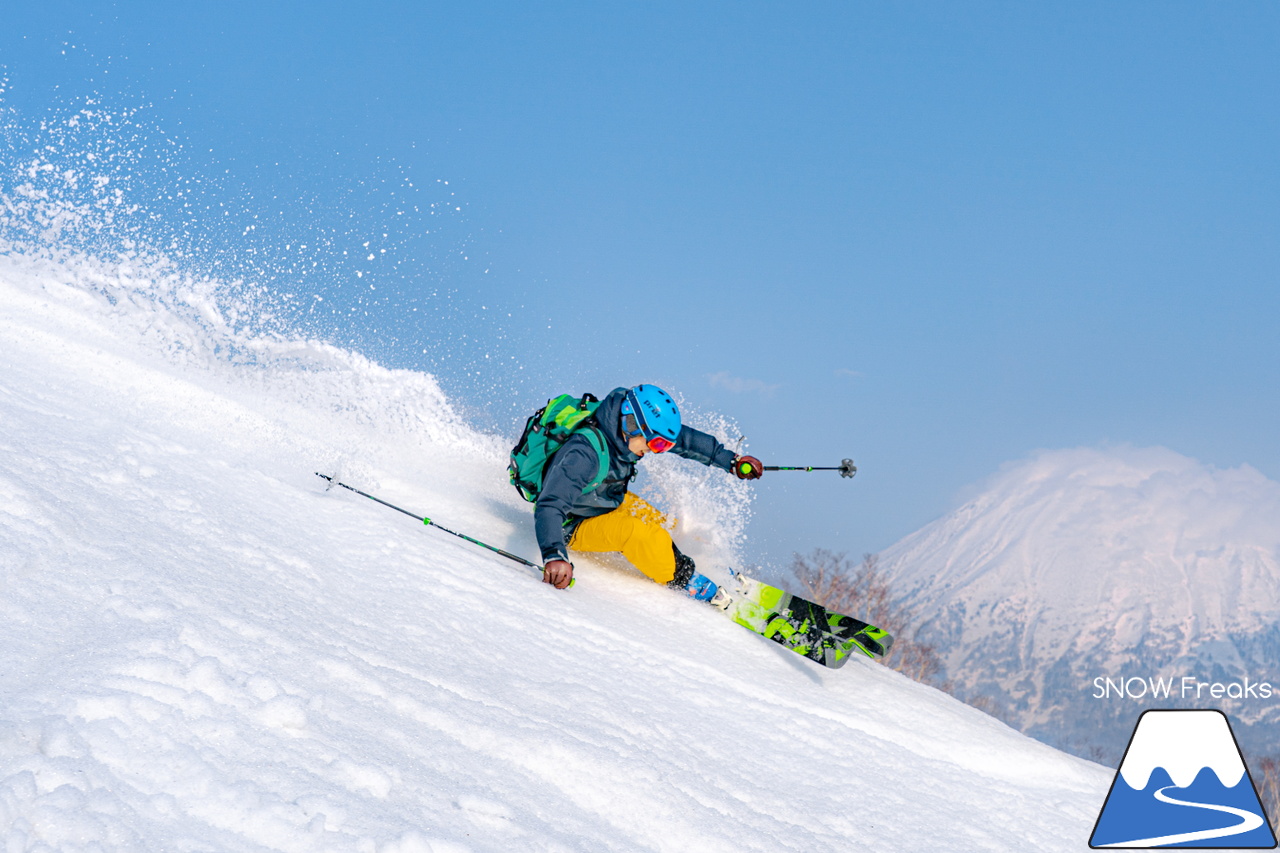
1183	783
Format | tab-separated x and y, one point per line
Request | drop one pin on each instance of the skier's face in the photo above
636	444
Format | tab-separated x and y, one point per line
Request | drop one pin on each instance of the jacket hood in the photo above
609	416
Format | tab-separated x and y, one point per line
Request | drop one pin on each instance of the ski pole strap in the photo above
428	522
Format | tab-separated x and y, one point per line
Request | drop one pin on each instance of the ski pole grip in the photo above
572	581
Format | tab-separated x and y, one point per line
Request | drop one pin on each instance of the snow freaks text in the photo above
1187	687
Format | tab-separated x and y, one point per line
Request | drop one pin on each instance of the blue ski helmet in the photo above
649	411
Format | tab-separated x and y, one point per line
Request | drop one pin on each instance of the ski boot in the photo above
701	587
692	584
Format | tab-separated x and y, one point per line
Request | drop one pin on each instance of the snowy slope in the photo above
1120	563
202	649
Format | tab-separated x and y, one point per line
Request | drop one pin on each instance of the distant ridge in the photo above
1118	562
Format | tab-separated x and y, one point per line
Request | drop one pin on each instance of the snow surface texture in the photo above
1120	563
203	649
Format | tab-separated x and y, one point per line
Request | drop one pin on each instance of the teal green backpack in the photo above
546	432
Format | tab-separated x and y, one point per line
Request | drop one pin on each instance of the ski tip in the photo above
875	647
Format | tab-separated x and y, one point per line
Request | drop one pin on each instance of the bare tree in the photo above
1268	782
863	592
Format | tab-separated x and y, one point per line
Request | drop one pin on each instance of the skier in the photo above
570	514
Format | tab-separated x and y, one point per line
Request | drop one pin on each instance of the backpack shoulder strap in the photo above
591	432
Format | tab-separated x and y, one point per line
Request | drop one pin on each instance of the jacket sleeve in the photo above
571	471
700	447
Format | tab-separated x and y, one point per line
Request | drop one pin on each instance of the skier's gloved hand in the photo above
747	468
558	573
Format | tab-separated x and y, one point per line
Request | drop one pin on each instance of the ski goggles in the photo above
631	427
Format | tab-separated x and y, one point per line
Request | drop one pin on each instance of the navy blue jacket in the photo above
576	464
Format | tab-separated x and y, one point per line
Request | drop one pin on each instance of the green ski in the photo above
804	627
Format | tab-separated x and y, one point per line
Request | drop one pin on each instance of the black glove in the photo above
747	468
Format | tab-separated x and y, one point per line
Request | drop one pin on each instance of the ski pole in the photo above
846	468
521	560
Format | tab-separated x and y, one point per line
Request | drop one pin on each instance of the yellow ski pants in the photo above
637	530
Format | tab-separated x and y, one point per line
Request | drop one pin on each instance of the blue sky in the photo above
933	237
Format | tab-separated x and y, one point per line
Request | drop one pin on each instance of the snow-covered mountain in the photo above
203	649
1122	563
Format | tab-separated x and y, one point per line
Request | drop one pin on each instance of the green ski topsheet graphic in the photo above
803	626
1183	783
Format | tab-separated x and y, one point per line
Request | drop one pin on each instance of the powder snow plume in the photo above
107	203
